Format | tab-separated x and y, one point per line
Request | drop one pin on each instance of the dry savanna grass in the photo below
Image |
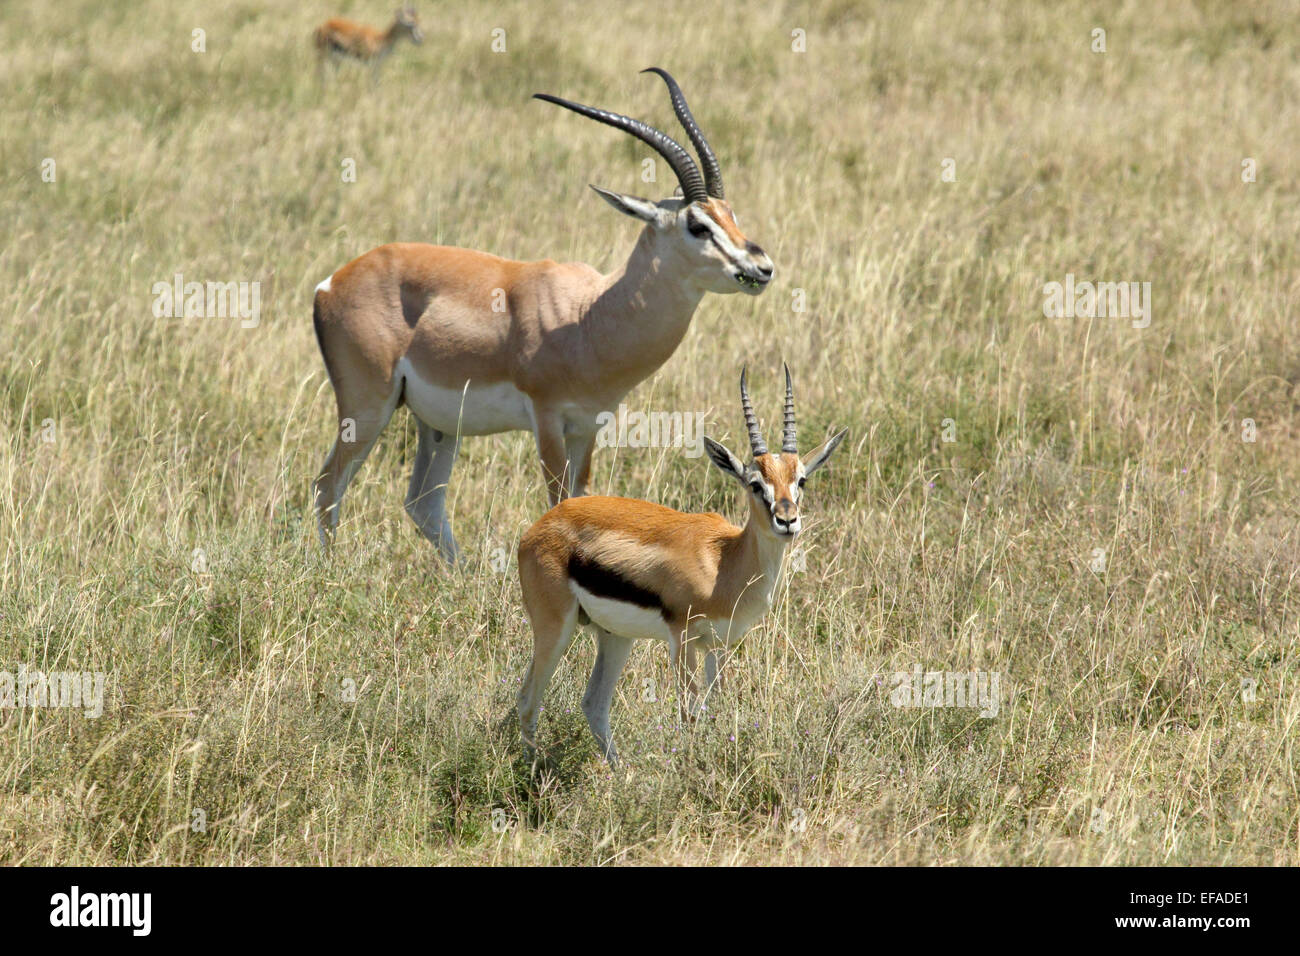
1100	531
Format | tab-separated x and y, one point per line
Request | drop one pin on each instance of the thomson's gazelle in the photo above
337	38
638	570
475	345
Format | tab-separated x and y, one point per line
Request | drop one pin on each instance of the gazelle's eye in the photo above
697	229
756	486
801	481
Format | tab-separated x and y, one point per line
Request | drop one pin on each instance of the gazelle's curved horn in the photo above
756	443
712	171
789	434
683	166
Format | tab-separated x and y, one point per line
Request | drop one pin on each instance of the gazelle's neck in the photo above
642	312
755	556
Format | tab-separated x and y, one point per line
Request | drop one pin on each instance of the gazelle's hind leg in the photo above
612	652
426	497
553	612
358	432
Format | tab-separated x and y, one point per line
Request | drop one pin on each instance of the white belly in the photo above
475	410
623	618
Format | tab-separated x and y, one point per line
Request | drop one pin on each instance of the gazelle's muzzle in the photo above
785	517
755	271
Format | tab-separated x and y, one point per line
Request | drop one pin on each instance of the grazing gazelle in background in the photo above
339	38
638	570
475	345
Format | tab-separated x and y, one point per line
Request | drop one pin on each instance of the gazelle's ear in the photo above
727	463
634	206
817	457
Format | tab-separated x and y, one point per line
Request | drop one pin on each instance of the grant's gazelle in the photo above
474	344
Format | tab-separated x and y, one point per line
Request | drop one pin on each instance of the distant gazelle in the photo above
475	345
338	38
637	570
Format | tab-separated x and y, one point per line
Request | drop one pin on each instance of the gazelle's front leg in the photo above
548	429
712	661
579	443
688	692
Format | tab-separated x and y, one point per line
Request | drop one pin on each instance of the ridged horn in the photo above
756	444
712	171
789	433
683	166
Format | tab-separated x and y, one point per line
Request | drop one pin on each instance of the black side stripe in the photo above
608	583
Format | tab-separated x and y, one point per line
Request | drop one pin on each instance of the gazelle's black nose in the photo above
785	517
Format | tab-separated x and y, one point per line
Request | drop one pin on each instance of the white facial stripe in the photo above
720	238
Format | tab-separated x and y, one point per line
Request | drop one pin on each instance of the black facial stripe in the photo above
605	582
